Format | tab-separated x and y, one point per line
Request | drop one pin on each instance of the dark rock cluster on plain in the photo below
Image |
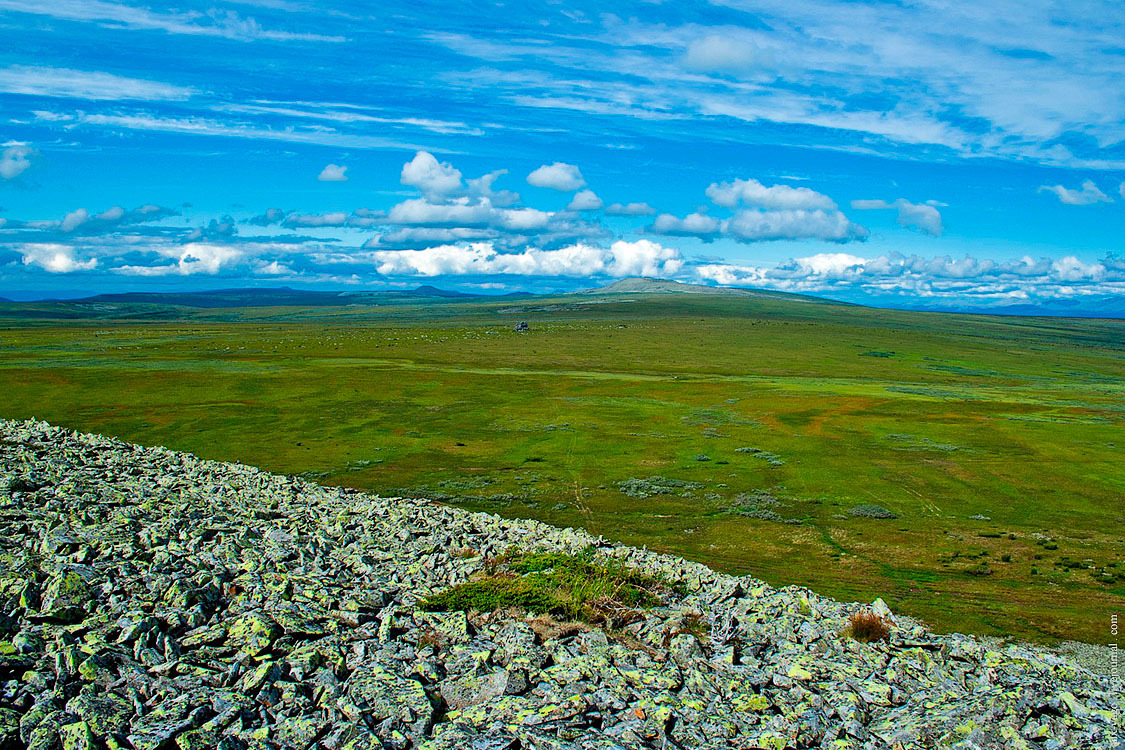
153	600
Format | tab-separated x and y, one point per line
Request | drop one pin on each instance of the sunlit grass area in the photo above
964	468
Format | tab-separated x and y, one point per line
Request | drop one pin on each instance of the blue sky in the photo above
910	154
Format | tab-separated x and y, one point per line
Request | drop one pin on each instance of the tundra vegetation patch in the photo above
983	435
154	600
581	586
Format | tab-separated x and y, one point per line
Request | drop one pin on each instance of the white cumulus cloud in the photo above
693	225
465	213
522	219
55	258
622	258
630	209
333	219
1072	269
978	281
763	213
188	260
421	212
752	225
585	200
921	216
430	176
333	173
481	187
557	176
829	264
1087	195
272	268
422	237
754	193
14	159
74	219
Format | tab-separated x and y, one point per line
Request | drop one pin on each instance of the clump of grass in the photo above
491	594
465	483
547	628
579	587
771	458
715	417
655	485
758	504
499	499
694	623
868	627
757	498
873	511
762	514
430	638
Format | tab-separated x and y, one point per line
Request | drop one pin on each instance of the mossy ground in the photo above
579	587
993	440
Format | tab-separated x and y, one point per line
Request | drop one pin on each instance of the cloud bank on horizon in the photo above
862	153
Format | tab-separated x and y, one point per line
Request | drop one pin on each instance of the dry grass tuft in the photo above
868	627
430	638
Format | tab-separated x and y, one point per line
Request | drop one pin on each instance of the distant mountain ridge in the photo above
288	297
647	285
264	297
1108	306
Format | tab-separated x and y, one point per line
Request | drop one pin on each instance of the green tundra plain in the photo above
967	469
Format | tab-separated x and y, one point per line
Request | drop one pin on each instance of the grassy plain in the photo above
738	431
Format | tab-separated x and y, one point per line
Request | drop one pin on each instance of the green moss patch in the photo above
579	586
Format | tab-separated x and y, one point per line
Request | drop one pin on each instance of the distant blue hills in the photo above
1097	307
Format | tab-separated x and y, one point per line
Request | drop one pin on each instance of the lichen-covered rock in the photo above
382	694
105	713
152	600
253	633
452	627
9	728
471	689
67	593
76	736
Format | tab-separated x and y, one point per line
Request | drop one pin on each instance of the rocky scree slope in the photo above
152	600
